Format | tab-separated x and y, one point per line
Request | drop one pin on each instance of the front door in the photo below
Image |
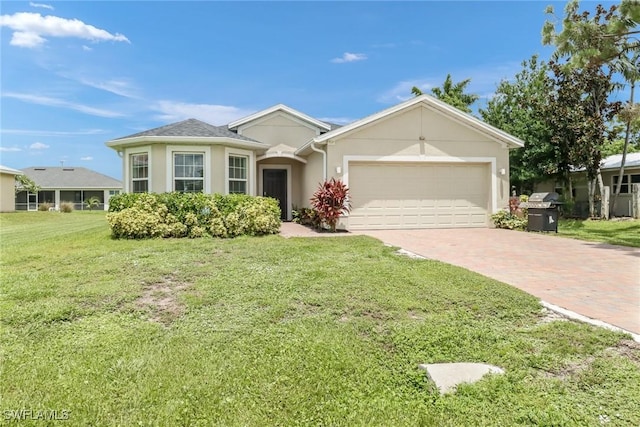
274	184
32	201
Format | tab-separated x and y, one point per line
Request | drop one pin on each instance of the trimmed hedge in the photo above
147	215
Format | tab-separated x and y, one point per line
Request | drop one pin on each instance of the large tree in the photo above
519	108
452	93
593	47
579	111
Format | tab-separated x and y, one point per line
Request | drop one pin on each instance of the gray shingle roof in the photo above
70	177
190	128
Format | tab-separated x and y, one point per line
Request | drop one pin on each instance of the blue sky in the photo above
77	74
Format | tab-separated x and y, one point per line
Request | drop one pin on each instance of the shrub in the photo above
306	216
136	223
330	201
66	207
504	219
44	207
192	215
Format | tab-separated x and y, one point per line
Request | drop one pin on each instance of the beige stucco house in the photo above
418	164
8	188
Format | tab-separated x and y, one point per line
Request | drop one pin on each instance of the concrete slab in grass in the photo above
448	375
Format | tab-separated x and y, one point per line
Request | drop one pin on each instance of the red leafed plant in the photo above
331	200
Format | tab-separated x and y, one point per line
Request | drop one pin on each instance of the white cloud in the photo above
337	120
215	114
86	48
349	57
10	149
30	29
41	5
31	132
402	90
38	146
86	159
55	102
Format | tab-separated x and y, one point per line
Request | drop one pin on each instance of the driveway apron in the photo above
596	280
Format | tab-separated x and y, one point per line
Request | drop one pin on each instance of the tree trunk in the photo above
601	191
592	196
624	154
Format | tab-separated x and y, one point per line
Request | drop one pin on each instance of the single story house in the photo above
418	164
610	168
8	188
67	184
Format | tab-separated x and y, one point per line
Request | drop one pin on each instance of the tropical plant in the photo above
92	202
452	94
330	201
24	183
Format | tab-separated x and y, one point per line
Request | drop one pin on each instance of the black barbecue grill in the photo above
543	211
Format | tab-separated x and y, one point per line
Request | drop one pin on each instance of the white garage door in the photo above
418	195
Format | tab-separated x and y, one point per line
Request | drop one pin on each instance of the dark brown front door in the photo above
274	184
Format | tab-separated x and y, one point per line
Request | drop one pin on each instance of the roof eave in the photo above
208	140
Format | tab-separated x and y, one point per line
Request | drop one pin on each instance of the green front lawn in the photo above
274	331
615	232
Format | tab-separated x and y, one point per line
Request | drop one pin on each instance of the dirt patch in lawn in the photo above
629	349
160	299
548	316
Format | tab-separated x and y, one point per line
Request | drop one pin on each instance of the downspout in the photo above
324	159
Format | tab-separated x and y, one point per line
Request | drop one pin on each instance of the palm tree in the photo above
452	94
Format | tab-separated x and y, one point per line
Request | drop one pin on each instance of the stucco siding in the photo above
445	139
158	168
311	178
7	193
279	129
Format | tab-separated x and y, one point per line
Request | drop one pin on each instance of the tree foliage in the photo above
519	108
452	93
605	38
24	183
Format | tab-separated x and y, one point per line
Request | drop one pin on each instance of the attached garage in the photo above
405	195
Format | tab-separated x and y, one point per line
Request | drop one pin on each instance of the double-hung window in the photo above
140	173
238	173
188	172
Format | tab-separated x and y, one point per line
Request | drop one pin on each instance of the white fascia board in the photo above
10	171
279	107
442	107
187	140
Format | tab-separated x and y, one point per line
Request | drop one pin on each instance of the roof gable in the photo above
281	108
433	104
69	177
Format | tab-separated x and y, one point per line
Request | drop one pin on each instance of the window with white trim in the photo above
188	172
625	188
139	173
238	172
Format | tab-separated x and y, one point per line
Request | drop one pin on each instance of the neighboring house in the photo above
67	184
8	188
610	168
419	164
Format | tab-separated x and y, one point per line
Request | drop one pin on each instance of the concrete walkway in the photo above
596	280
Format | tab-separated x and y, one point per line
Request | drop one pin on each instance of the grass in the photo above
624	233
273	331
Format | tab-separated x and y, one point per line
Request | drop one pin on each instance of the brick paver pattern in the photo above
596	280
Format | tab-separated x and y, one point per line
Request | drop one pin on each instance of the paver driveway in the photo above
596	280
